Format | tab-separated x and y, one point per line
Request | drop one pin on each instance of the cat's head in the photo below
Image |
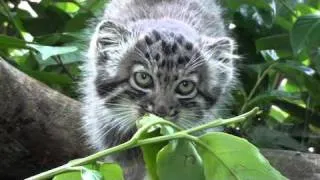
183	79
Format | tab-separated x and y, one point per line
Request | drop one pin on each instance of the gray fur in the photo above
172	41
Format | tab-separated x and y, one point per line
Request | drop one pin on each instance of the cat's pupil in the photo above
185	84
144	76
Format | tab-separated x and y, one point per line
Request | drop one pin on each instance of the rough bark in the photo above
39	129
294	165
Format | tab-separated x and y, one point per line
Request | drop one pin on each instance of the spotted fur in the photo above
172	41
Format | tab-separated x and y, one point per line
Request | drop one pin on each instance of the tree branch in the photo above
39	127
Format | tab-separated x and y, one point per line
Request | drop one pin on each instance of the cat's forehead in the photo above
168	51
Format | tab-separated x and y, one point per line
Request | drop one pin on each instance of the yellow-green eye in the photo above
185	87
143	79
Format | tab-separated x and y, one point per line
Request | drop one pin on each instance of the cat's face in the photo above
162	73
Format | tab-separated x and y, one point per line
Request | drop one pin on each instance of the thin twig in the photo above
289	8
59	62
254	89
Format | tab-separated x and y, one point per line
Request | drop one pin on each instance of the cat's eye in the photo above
185	87
143	79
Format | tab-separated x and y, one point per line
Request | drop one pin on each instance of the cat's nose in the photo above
162	110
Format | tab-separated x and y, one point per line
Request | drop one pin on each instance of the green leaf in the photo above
49	51
279	42
80	21
80	173
301	75
50	19
284	23
95	6
269	42
87	174
68	176
314	55
305	9
229	157
68	7
11	42
300	112
305	32
150	151
179	162
55	38
269	96
261	17
150	154
111	171
49	78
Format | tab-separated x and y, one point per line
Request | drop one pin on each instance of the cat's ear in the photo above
219	48
111	34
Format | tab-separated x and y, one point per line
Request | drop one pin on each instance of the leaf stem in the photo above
254	89
205	146
65	69
289	8
82	161
221	122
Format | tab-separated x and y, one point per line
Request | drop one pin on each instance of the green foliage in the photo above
279	43
230	157
181	155
179	161
95	171
49	35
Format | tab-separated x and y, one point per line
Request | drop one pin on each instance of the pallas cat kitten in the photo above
172	58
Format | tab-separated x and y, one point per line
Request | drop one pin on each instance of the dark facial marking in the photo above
181	60
156	35
134	94
163	63
210	100
148	40
186	58
169	64
194	105
147	55
180	39
102	59
104	87
157	57
130	93
103	42
166	78
189	46
174	47
165	47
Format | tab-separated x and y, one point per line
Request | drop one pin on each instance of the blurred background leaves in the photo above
279	42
